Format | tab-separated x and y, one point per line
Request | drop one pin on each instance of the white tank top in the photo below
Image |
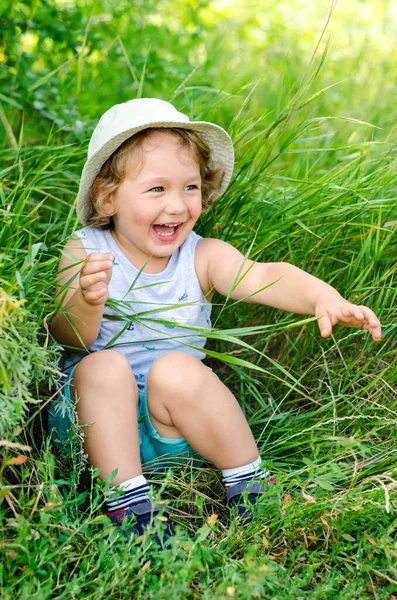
148	315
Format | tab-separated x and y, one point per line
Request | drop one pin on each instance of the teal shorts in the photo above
157	452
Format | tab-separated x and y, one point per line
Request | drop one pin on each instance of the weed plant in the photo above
311	187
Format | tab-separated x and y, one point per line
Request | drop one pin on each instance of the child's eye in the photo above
192	187
158	188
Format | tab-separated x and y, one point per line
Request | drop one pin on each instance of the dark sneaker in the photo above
245	495
145	516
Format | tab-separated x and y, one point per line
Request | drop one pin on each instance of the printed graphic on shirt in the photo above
148	347
184	297
131	326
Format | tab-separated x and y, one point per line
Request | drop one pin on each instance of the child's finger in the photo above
361	317
99	256
95	295
324	323
376	332
370	316
86	281
351	310
372	323
96	266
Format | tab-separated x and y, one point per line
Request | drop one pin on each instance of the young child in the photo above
137	284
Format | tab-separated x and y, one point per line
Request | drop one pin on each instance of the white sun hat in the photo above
124	120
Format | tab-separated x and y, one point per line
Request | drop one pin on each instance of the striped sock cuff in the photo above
127	493
244	473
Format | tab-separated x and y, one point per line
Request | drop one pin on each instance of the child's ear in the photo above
107	208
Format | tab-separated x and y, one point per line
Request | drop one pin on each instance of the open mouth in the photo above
167	231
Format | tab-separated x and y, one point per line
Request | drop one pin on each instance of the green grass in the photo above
315	185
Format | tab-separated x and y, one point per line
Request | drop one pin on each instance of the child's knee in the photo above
104	368
176	373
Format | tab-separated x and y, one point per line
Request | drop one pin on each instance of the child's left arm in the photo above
280	285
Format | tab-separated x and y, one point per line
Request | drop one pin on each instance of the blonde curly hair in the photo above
114	170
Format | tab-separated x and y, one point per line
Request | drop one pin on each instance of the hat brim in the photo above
218	140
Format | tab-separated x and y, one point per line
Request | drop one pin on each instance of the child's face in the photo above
159	201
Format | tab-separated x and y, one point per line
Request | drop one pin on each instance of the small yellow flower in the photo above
263	568
212	520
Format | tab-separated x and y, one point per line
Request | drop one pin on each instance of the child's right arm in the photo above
84	297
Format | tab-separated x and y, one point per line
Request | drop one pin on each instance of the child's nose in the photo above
176	204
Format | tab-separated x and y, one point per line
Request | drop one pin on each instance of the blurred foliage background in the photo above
64	62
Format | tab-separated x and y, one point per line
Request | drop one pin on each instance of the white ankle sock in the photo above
126	493
245	473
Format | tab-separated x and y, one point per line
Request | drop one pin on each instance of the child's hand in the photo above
333	309
95	276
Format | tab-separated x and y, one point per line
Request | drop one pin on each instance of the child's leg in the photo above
108	397
186	399
105	386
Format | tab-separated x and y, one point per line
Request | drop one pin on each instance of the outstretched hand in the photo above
331	309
